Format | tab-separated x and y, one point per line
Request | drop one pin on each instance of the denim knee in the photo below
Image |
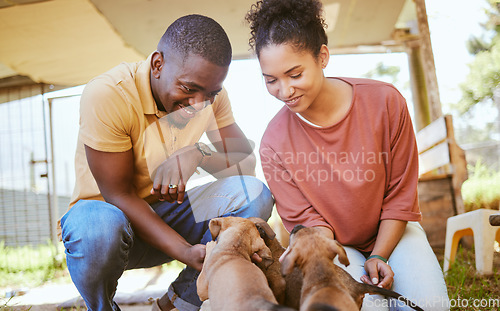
98	234
258	199
264	202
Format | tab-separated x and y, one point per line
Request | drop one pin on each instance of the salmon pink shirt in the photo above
348	176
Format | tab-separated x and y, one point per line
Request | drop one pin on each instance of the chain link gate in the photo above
25	201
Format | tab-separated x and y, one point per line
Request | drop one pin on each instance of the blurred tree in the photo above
481	92
381	70
392	74
483	81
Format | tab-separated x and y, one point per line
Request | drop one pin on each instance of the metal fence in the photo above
487	152
24	184
38	134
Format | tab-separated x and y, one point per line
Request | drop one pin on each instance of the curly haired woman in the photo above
341	155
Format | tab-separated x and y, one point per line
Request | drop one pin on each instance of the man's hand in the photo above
169	183
379	273
114	174
195	256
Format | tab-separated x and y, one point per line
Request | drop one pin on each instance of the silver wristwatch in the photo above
204	149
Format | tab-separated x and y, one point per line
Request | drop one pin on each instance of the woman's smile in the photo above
293	102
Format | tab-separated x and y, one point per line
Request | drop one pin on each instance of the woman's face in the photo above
293	76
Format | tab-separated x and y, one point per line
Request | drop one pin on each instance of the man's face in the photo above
184	86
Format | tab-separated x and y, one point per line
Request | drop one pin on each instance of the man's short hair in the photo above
200	35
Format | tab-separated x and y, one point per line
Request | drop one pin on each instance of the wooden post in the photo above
421	106
427	59
427	105
457	158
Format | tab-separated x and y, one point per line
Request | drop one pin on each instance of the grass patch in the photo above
481	190
30	266
4	306
468	290
34	266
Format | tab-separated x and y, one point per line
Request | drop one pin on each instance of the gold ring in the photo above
172	186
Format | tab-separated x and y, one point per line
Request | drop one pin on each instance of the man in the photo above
140	126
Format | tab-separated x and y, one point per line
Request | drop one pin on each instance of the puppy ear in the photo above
215	226
263	227
202	286
209	247
337	249
297	228
288	261
258	245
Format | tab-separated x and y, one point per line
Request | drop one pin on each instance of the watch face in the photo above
204	149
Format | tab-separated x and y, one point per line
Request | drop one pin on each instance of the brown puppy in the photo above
285	289
228	277
326	284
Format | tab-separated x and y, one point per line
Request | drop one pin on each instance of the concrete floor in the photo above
135	288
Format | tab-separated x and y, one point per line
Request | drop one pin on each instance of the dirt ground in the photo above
52	307
135	289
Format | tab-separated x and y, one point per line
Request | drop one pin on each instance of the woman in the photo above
341	155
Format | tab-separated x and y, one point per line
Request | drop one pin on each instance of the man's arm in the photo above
234	154
113	172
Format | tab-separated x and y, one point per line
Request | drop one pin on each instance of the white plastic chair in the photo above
475	223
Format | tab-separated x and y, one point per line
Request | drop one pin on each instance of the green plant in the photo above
29	265
469	291
481	189
4	306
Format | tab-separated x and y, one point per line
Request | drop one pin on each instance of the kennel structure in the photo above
56	44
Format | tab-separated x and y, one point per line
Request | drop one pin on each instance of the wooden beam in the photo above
419	90
368	49
428	66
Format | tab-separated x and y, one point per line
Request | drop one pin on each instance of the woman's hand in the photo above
379	273
169	183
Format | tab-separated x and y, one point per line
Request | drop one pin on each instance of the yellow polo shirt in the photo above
118	113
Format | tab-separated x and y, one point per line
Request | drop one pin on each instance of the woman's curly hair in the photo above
298	22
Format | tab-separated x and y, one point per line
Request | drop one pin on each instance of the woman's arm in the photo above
379	272
400	198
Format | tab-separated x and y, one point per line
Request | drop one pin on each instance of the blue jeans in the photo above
100	243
